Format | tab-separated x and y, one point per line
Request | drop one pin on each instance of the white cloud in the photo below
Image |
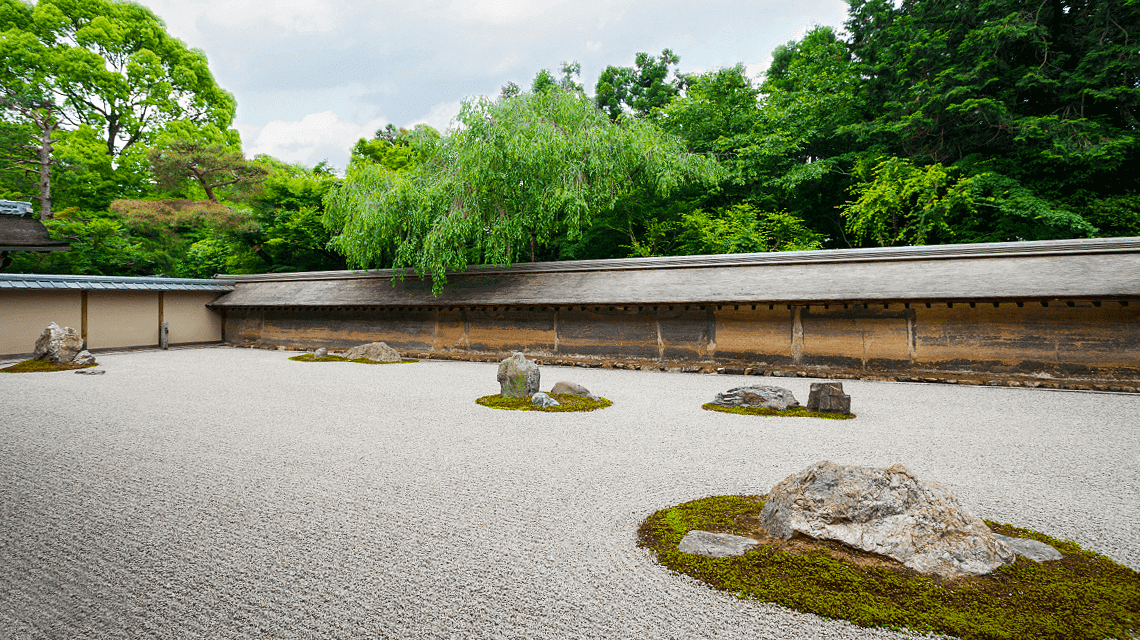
440	117
502	11
280	17
315	137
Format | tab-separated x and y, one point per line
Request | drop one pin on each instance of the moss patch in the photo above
40	366
1083	595
798	412
568	402
308	357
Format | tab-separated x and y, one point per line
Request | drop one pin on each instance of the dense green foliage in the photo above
519	176
924	122
566	403
1082	596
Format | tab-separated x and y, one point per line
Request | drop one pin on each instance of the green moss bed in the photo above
568	402
1083	595
308	357
41	366
798	412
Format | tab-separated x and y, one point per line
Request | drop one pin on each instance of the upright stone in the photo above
828	397
321	353
888	512
59	345
518	377
164	335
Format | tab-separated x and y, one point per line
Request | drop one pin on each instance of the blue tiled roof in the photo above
50	281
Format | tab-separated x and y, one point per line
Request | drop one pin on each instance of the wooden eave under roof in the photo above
21	233
1100	268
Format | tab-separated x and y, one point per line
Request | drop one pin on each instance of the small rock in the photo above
828	397
375	351
321	353
1029	548
91	372
540	399
573	389
84	358
691	369
776	398
518	377
715	545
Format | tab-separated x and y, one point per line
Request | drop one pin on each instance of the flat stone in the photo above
776	398
540	399
518	377
91	372
888	512
828	397
375	351
1035	550
573	389
715	545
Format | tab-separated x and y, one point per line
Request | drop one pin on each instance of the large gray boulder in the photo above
377	351
828	397
888	512
715	545
573	389
518	377
777	398
58	344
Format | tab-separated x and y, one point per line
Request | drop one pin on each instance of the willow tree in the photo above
517	173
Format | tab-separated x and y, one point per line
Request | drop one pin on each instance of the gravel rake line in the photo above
231	493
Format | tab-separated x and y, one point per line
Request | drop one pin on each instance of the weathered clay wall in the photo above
1075	338
107	319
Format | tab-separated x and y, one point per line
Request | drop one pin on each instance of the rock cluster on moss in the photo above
1082	596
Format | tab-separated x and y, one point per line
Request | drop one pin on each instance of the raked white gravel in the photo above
232	493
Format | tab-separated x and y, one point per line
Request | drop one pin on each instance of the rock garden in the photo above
519	390
371	353
878	547
57	349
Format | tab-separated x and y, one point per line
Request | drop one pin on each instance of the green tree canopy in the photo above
111	65
641	88
517	174
210	164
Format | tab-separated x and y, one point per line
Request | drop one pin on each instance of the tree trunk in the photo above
44	161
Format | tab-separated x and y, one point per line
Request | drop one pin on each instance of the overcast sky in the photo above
313	76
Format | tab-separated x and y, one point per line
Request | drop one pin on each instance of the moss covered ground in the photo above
568	402
308	357
798	412
1083	595
41	366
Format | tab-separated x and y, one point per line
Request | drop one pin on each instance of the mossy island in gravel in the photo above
566	402
1083	595
308	357
797	412
42	366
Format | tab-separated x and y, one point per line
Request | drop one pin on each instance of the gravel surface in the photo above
232	493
